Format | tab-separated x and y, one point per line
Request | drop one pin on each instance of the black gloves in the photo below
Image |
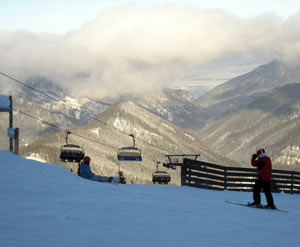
254	156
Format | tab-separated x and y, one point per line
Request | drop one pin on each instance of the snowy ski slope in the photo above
46	205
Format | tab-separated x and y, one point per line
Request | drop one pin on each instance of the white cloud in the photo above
128	49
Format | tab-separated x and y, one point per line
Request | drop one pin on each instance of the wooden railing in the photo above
211	176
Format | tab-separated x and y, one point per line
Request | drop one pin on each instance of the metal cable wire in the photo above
62	129
81	112
59	128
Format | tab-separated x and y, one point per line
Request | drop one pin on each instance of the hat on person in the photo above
260	152
87	159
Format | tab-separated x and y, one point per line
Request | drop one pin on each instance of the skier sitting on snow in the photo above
85	171
264	172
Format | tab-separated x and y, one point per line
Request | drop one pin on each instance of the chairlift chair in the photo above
161	177
130	153
71	152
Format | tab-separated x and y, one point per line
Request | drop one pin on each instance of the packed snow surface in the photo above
46	205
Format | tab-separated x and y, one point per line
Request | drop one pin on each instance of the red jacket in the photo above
264	167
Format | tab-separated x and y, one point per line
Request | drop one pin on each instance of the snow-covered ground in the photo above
46	205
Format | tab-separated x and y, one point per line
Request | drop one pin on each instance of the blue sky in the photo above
61	16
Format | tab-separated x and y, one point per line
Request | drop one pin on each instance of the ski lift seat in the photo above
129	154
161	177
71	152
72	146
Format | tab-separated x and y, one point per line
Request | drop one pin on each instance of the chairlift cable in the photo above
85	114
69	132
26	85
59	128
65	130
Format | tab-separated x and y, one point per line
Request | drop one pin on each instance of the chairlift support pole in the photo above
182	155
173	165
13	134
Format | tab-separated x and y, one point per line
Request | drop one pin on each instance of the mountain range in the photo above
270	121
227	97
49	103
177	106
52	104
155	137
258	109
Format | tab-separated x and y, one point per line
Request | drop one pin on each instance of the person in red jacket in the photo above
264	172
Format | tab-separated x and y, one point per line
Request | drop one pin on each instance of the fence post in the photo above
11	143
190	174
292	183
17	134
225	178
183	174
188	171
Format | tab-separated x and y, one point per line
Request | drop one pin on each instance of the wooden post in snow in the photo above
16	148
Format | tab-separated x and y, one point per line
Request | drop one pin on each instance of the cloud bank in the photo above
129	49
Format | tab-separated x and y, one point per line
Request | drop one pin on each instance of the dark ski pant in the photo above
261	184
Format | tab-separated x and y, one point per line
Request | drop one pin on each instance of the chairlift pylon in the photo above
130	153
174	160
71	152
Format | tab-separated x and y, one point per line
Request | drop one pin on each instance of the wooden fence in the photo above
210	176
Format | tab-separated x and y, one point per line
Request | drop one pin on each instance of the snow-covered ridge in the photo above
36	157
